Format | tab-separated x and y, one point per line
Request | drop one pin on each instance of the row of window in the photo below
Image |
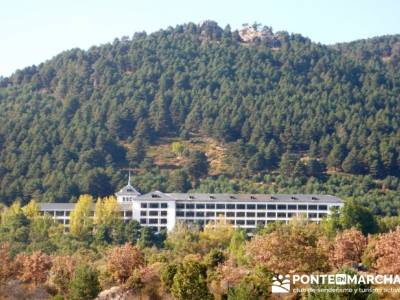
153	213
224	206
153	205
60	213
153	221
253	223
66	221
190	214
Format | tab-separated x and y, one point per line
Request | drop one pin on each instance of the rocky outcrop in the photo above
115	293
251	33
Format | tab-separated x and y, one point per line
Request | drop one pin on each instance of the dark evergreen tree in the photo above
197	165
84	284
287	164
315	168
256	163
336	156
132	231
352	163
178	181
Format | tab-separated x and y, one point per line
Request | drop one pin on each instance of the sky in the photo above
33	31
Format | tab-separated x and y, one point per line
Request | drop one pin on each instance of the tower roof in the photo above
128	189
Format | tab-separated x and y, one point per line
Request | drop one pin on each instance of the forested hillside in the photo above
278	103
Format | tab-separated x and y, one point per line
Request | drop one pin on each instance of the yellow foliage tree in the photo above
177	148
107	211
10	212
80	219
183	239
31	210
217	234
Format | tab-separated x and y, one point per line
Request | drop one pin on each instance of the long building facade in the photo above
161	211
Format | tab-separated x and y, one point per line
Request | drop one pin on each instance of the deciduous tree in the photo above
7	266
123	260
81	222
348	248
107	211
290	248
386	253
33	268
61	273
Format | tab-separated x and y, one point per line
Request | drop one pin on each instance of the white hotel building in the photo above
161	211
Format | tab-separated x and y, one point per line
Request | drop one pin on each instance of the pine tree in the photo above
256	163
315	168
84	284
197	165
336	156
287	164
300	171
178	181
190	282
352	163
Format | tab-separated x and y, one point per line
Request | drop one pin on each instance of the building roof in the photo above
128	190
295	198
71	206
208	197
55	206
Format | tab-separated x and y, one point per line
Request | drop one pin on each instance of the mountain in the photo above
72	124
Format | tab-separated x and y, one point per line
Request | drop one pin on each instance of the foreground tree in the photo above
39	234
237	245
7	265
167	276
348	248
255	285
290	248
122	262
84	284
190	282
33	268
357	216
14	227
183	239
216	234
31	210
386	253
61	273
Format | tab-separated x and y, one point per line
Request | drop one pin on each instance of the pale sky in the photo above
33	31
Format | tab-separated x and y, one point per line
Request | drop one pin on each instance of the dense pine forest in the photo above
289	114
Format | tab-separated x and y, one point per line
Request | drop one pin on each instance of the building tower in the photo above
128	193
